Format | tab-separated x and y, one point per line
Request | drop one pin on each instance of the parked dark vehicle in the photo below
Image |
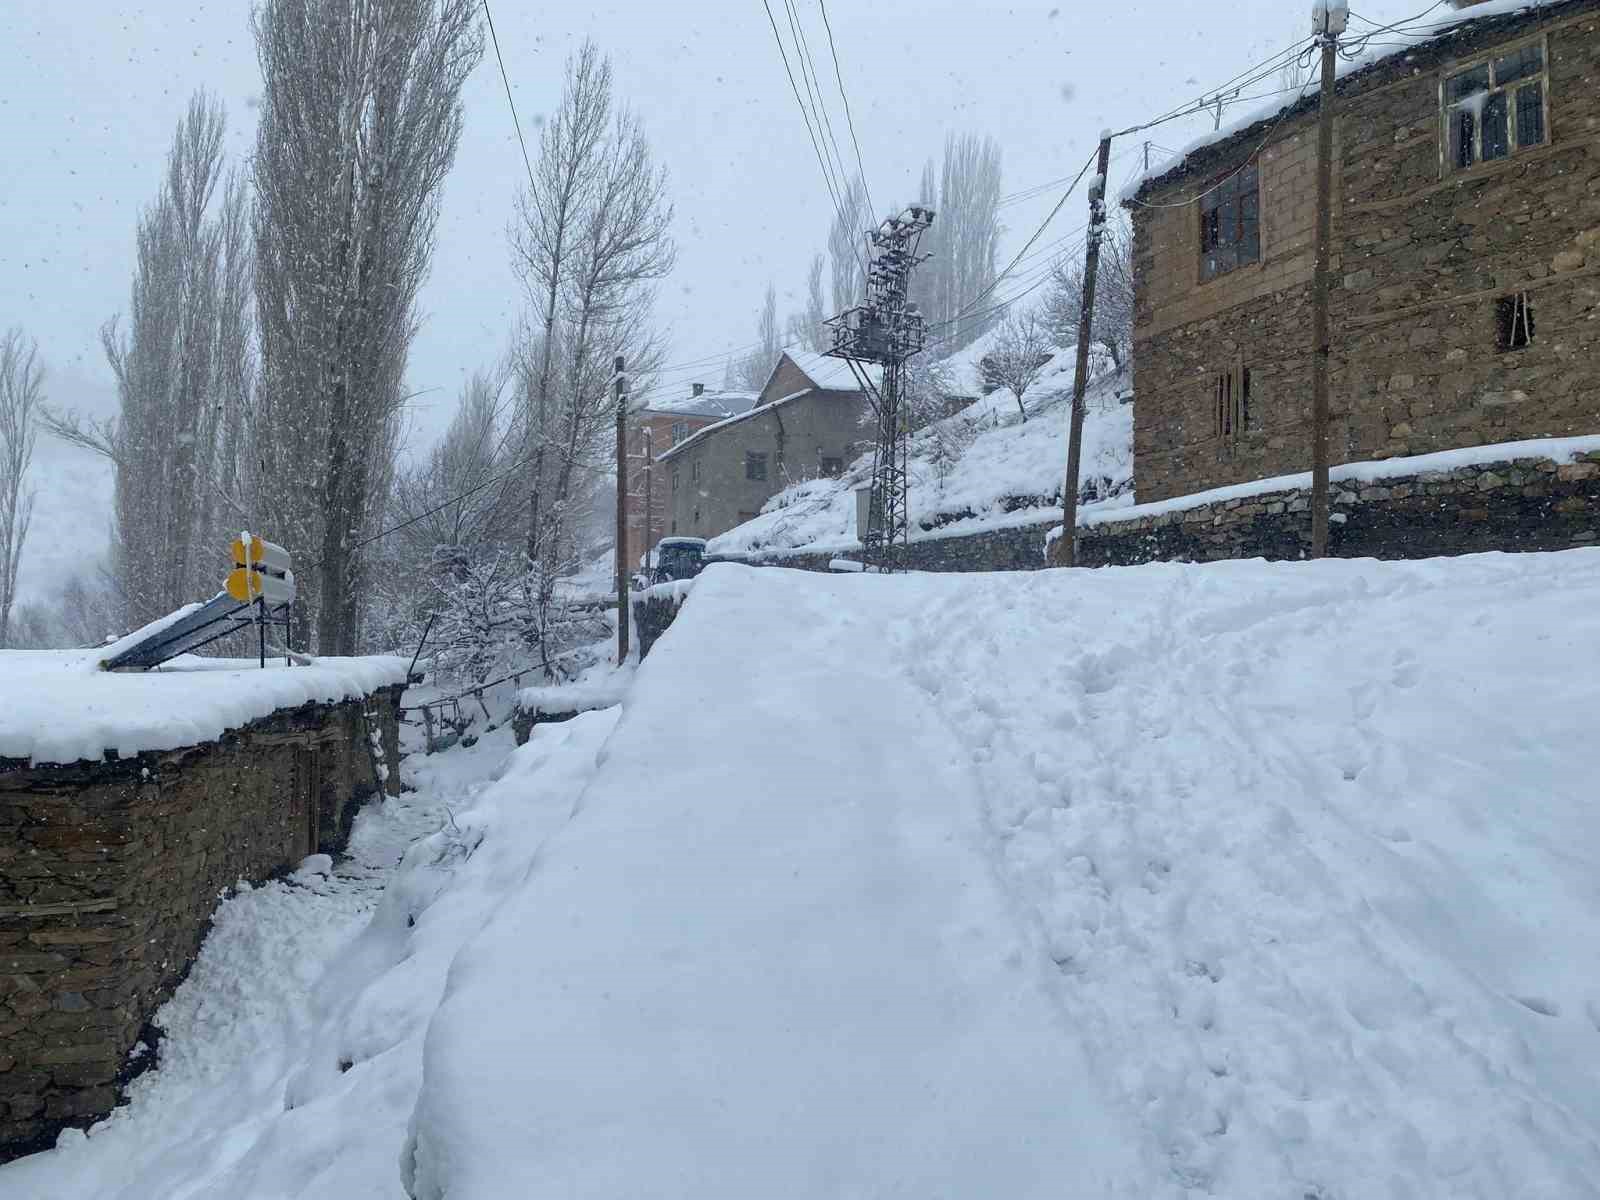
678	558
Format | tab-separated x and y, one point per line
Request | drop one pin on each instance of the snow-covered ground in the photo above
1240	880
982	468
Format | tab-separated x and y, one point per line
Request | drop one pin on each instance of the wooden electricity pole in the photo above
1066	549
649	498
1328	19
621	387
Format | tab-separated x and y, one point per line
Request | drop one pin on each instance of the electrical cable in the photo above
848	116
506	81
838	206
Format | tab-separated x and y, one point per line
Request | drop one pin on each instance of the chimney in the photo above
699	389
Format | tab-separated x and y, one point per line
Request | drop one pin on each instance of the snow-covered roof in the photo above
60	707
831	373
1393	45
727	402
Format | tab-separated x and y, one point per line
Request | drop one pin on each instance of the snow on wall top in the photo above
56	706
1559	450
1464	19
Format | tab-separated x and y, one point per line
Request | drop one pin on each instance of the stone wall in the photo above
1525	504
1422	257
1528	504
109	872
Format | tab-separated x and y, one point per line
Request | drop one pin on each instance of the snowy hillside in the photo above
982	467
1243	880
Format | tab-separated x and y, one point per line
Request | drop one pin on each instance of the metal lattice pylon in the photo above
886	330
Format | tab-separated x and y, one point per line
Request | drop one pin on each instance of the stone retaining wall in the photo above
1523	504
109	872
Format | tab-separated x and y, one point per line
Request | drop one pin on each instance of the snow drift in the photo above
1246	880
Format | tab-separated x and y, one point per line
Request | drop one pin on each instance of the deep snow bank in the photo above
1245	880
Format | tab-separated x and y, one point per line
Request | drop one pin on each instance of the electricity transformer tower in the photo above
886	330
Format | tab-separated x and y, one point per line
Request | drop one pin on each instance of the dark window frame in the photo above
1513	114
1230	223
680	431
832	468
755	466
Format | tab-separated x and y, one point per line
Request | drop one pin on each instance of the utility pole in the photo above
621	388
1066	550
1329	18
649	498
887	330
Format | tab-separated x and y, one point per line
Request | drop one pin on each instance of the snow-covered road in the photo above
1244	880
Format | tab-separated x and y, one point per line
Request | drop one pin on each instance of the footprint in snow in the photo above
1539	1004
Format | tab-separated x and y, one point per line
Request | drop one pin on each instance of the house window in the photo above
1230	224
755	465
674	479
694	470
1513	320
680	430
1230	394
833	467
1496	107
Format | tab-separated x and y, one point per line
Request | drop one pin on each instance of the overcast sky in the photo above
91	91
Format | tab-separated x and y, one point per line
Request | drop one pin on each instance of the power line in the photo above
848	116
838	207
819	108
1243	166
1043	225
506	81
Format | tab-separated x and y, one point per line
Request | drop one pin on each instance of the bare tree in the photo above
360	119
846	246
964	241
21	396
1113	298
763	356
807	328
180	363
591	240
1022	349
548	217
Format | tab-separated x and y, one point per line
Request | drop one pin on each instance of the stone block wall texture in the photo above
1421	257
1526	504
109	872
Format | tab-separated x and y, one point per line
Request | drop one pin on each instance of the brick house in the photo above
656	428
1465	298
806	423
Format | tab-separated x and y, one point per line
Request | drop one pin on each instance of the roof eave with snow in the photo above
1459	35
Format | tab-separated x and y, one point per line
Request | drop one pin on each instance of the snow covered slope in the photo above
1243	880
1247	880
980	468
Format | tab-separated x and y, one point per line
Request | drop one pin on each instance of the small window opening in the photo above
832	467
1231	402
755	465
1513	318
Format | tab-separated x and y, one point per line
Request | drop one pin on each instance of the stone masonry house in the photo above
1465	302
806	422
657	427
